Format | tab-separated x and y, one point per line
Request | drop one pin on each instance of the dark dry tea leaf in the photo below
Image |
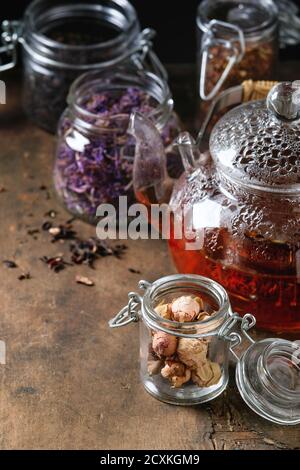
24	276
84	280
70	221
87	251
2	189
46	225
33	231
82	251
9	264
134	271
56	263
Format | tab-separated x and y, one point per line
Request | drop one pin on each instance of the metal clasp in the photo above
247	322
129	313
235	46
11	33
144	53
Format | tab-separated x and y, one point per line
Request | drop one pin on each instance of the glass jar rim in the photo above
208	327
278	348
34	40
120	78
203	19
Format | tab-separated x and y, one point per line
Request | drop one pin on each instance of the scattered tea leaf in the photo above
9	264
24	276
57	263
46	225
134	271
33	231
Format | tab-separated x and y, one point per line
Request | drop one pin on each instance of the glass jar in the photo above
186	362
237	40
95	155
62	39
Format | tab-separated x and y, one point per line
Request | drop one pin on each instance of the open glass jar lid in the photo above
267	371
257	144
268	379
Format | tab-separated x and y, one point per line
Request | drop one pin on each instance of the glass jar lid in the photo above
268	379
249	15
257	144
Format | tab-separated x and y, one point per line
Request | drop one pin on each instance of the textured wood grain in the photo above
69	381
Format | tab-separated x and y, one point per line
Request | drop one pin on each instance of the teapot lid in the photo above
258	144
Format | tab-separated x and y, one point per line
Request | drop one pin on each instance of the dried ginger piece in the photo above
176	373
192	352
203	316
207	374
200	302
185	309
164	311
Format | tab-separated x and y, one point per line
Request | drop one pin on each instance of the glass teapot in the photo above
235	211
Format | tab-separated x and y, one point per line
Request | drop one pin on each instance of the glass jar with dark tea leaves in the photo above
95	155
61	39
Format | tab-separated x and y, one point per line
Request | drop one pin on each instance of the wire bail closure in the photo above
129	313
11	34
246	322
235	46
145	49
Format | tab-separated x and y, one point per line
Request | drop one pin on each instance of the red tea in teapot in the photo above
262	278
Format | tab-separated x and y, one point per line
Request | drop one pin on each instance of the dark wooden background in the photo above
174	21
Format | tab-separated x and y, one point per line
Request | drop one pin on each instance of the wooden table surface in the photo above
69	382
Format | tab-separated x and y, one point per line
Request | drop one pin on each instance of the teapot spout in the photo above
150	180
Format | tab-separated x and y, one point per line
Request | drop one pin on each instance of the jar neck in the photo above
256	31
118	79
51	36
170	287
